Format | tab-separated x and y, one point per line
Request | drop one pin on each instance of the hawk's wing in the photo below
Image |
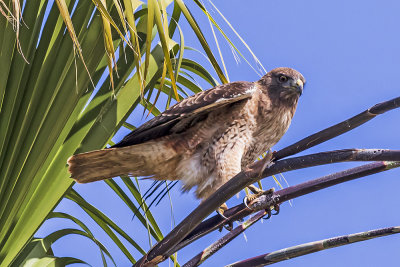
189	111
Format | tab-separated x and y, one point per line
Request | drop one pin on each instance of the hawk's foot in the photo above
250	198
221	210
257	194
269	211
254	189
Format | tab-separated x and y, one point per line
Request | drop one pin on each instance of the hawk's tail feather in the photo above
137	160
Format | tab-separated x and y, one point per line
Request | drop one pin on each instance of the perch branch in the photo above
157	253
312	140
214	247
307	248
276	198
161	250
338	129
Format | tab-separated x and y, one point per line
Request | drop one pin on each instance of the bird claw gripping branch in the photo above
263	200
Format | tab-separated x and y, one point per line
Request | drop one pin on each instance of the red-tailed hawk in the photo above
203	140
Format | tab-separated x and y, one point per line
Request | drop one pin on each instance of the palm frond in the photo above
59	96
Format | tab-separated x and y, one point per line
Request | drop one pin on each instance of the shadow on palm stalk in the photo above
192	227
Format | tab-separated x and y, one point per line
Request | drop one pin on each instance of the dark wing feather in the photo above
189	111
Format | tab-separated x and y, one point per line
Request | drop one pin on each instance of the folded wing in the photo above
189	111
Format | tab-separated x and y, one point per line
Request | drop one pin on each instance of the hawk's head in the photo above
285	83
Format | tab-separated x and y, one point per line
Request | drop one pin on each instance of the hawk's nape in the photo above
203	140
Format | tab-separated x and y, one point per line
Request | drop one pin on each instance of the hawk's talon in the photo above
245	203
277	209
229	225
250	198
221	213
268	211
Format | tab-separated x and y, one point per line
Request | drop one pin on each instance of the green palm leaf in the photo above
56	78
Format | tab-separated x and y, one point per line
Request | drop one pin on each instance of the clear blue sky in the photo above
349	53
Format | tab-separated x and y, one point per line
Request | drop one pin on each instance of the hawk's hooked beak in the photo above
297	86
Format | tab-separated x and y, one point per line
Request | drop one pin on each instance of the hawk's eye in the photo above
283	78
